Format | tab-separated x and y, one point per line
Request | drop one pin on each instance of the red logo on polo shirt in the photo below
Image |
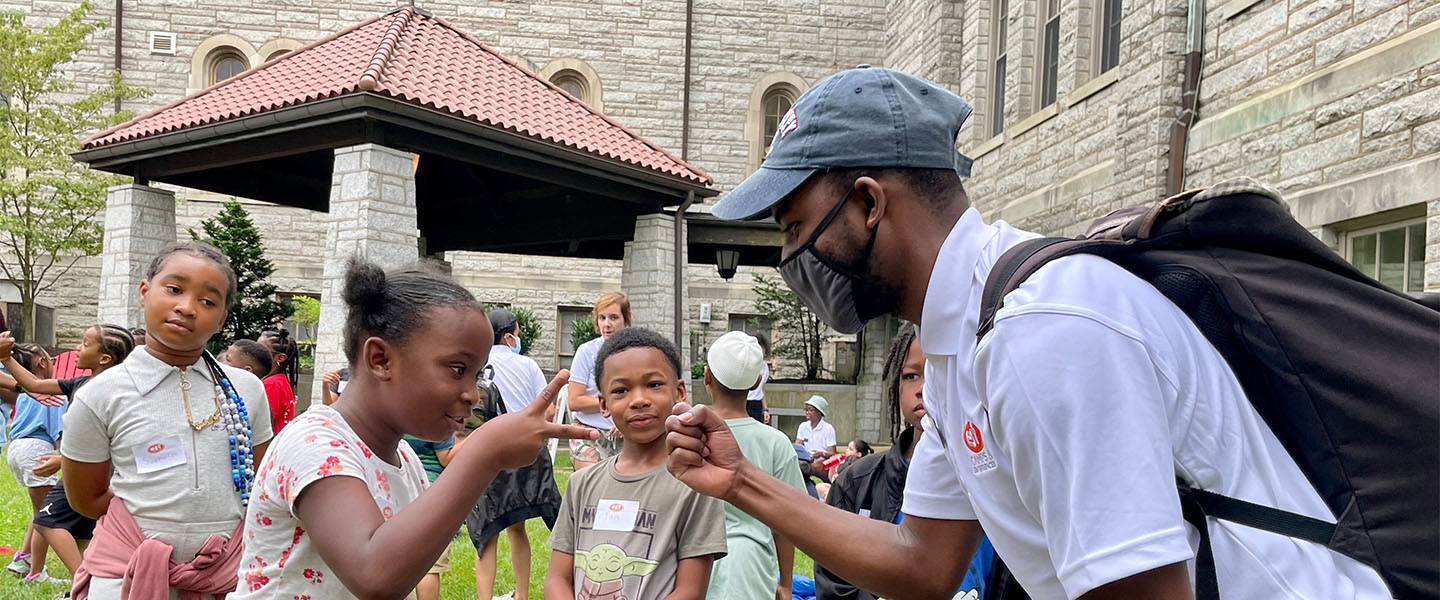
156	448
973	441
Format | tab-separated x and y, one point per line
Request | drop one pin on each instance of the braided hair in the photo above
115	342
280	342
28	355
894	364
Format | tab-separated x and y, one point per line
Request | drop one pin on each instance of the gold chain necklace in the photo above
185	396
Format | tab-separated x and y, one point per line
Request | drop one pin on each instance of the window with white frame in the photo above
1049	67
1393	253
999	11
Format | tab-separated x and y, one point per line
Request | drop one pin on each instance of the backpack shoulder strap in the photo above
1016	265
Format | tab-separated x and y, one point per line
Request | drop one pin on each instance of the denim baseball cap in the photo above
862	117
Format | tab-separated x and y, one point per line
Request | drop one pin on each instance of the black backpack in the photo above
1344	371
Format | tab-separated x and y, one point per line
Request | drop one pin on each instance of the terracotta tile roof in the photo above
417	58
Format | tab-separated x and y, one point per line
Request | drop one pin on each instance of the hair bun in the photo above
364	284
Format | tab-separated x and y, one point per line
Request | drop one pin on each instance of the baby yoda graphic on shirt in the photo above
628	533
604	567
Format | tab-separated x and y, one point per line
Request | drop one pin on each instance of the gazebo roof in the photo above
410	56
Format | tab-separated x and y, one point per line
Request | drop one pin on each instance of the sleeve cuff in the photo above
937	506
716	550
68	450
1113	564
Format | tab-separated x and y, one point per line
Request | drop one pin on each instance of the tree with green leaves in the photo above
51	204
305	311
255	308
801	333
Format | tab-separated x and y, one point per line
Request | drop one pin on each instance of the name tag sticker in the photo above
616	515
159	455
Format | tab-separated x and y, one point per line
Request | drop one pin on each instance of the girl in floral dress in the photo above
341	507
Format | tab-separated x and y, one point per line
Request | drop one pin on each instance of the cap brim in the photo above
763	189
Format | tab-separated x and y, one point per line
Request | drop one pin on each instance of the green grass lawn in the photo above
458	584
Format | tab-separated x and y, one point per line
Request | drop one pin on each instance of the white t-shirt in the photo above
582	370
758	394
181	498
518	377
1066	429
280	561
818	438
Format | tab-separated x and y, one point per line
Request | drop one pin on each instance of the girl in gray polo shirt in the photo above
181	434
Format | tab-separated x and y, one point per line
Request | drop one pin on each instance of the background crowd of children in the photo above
270	504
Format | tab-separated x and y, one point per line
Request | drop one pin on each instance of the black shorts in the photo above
756	410
55	513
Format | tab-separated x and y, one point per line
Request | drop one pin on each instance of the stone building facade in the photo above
1335	102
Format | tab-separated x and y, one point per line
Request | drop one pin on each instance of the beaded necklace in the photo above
237	428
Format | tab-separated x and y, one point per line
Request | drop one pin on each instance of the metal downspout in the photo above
119	38
689	195
1189	96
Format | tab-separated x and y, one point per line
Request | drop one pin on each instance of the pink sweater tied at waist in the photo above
120	550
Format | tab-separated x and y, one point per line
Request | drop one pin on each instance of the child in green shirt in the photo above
749	570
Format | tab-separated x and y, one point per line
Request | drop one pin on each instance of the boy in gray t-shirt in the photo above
627	528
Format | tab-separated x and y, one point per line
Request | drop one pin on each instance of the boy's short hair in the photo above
634	337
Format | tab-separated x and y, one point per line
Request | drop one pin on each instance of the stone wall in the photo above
1100	145
1335	103
924	36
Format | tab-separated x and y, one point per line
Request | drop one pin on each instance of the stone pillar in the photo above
648	278
372	216
139	222
871	420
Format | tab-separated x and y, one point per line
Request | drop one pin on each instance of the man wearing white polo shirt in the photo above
815	434
1062	432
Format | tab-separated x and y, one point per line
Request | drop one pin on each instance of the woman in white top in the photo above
611	314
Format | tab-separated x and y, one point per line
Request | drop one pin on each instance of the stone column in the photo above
871	422
139	222
648	278
372	216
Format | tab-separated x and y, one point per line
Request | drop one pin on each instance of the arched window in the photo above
225	64
778	100
572	82
771	98
276	54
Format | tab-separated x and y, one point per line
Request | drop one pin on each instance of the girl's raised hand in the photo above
7	343
513	440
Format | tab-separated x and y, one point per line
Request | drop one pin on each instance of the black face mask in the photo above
826	286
